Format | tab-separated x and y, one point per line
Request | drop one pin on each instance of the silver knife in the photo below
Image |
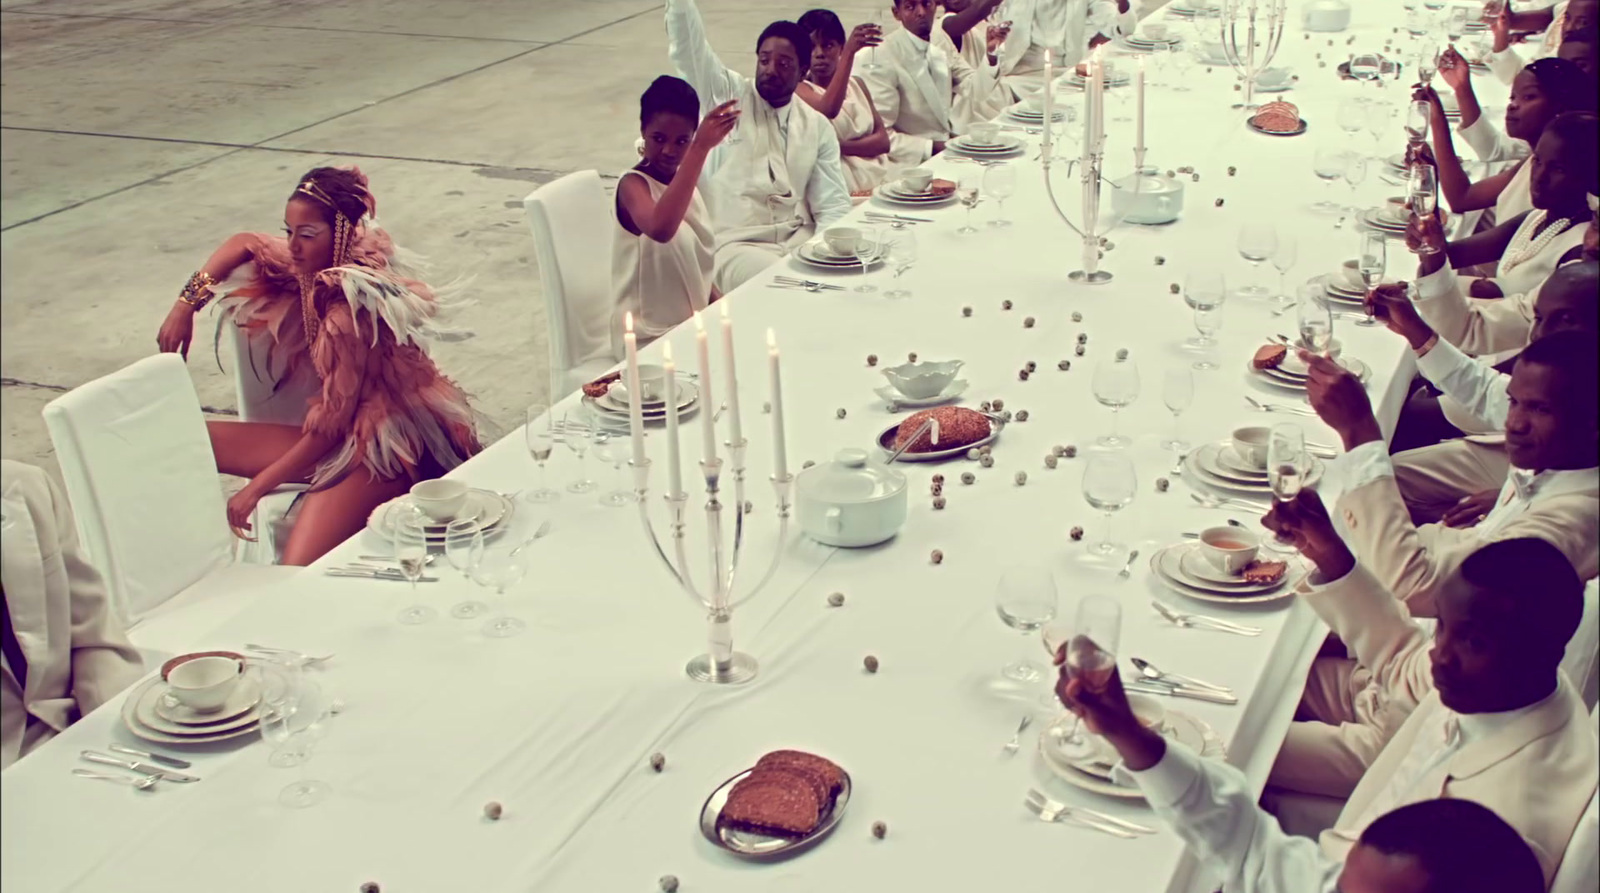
375	575
1181	691
163	759
147	768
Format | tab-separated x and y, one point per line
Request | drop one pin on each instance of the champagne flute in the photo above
1371	262
1427	62
499	570
902	255
1355	173
292	711
1207	322
1287	465
1283	261
463	548
611	447
1000	181
1351	116
1419	117
1328	165
1088	652
541	437
868	249
1177	392
410	536
1109	485
1379	114
1314	319
1183	61
1423	192
967	193
1116	384
279	686
575	434
1025	601
872	57
1257	242
1455	23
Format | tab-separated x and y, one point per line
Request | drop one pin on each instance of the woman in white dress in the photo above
661	261
830	89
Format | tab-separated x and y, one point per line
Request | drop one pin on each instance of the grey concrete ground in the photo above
137	134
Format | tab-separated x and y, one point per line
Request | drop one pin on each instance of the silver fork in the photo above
1177	467
1276	407
1041	797
1127	569
1016	737
1186	621
1214	502
1048	812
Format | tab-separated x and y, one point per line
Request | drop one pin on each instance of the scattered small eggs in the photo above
1005	305
968	477
749	507
871	663
1022	375
1174	288
872	359
986	461
973	454
658	761
1031	366
938	479
1076	533
669	883
1050	460
938	503
1122	354
1160	261
1021	478
879	830
1083	337
1196	177
1162	484
985	406
998	404
492	810
840	413
1007	414
766	408
936	556
1069	452
1078	351
1027	322
966	311
1232	171
1219	203
835	599
911	357
1076	316
1022	415
369	887
806	464
1064	365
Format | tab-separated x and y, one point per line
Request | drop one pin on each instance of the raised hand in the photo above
1305	520
718	123
1392	304
1340	400
1425	231
177	330
1454	70
862	36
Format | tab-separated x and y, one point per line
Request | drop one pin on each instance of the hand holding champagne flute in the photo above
1086	653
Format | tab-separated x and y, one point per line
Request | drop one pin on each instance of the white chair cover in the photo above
1581	663
138	468
1580	867
573	227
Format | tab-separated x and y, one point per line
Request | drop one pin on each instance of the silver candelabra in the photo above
1091	232
720	663
1244	59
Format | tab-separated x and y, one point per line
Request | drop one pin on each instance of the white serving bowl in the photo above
919	381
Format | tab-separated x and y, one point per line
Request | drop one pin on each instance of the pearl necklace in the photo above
1524	246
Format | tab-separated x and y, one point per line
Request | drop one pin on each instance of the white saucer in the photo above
811	253
1194	566
245	696
897	400
1229	460
1203	462
616	398
1094	774
1166	566
490	510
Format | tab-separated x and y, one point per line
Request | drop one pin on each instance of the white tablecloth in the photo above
559	723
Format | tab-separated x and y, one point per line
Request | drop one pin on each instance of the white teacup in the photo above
843	241
204	683
1148	710
1155	30
440	499
1250	444
985	133
652	382
918	179
1349	275
1229	549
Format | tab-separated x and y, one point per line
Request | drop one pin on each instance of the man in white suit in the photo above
924	94
64	651
1067	28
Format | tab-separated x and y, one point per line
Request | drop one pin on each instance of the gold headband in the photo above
312	189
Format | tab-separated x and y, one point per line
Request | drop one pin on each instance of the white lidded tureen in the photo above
1326	15
1148	198
850	501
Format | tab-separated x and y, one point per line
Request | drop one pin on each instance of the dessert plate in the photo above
131	720
246	695
761	846
1166	566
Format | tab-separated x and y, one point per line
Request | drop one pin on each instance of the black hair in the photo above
798	37
1577	132
1462	846
1576	360
671	95
1564	83
824	23
1583	275
1509	569
346	187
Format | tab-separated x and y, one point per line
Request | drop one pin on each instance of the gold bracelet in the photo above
197	292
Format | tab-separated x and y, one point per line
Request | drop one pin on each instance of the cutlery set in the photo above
1182	619
161	768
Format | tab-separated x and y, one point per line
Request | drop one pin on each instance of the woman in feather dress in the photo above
332	293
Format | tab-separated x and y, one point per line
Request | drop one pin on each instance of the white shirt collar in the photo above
1529	484
1478	726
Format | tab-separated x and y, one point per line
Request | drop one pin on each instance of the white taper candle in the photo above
708	406
674	469
736	425
780	449
636	397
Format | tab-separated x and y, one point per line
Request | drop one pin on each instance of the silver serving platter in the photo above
761	846
886	443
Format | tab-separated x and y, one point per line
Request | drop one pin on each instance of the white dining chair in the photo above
1580	867
266	390
573	226
139	470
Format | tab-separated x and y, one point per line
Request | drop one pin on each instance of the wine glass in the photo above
1328	165
1419	116
1025	601
1207	322
1000	181
612	447
872	57
902	255
1314	319
1257	242
1088	651
1287	464
1182	62
410	536
1371	262
541	437
280	681
1423	194
463	548
967	193
1116	384
297	718
1177	392
575	434
1455	23
1109	485
1355	173
1427	62
869	248
1366	66
1379	114
1351	115
1204	293
501	569
1283	261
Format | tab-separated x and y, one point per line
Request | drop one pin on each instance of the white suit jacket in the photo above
924	94
1085	19
77	654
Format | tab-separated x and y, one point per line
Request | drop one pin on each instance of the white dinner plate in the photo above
1297	381
619	394
1165	566
1094	775
1228	458
488	509
1005	145
1203	462
1029	115
808	253
889	195
688	393
130	719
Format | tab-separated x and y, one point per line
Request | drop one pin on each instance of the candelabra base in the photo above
740	668
1098	277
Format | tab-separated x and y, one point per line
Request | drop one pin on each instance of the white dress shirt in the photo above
1491	143
1209	804
1063	27
1479	388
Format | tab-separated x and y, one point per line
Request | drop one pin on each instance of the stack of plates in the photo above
614	402
150	714
1339	293
898	193
1183	569
1141	44
1395	166
1218	465
1114	79
1386	220
1188	9
818	254
1291	373
490	511
1088	766
1003	145
1477	26
1031	113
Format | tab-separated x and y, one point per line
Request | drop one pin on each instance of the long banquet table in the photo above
559	723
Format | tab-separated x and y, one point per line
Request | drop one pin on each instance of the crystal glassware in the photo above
1352	115
1116	384
1109	485
1355	173
575	434
1427	62
1379	116
501	569
1366	66
1287	465
902	255
1000	182
1025	600
967	194
1257	243
868	251
1419	115
1328	164
410	537
463	548
611	447
1183	62
1177	392
541	438
1314	319
1455	23
1204	293
1371	262
1283	261
1207	323
1087	650
294	722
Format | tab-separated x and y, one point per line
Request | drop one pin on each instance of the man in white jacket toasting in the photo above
1067	28
777	180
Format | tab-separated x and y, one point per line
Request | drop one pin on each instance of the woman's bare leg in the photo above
329	517
245	449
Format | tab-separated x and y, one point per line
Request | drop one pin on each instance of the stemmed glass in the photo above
1455	23
1287	465
1423	194
410	537
868	250
1177	392
1116	384
1379	114
1352	115
872	57
1328	165
500	570
1371	262
612	447
1088	650
575	434
1283	261
1315	320
1419	116
902	255
967	192
1183	62
1355	173
1427	62
294	709
1025	601
1205	294
1257	242
1000	181
1365	66
541	437
1109	485
463	548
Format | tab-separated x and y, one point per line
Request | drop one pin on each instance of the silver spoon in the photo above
1016	737
143	782
1150	671
1127	569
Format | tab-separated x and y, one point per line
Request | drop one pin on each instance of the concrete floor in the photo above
137	134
